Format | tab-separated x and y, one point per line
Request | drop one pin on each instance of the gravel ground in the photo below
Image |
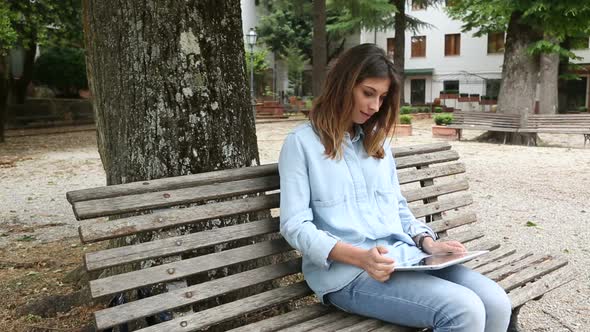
511	185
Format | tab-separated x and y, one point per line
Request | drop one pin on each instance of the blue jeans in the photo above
452	299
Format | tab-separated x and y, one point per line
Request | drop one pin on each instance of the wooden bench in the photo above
558	124
507	123
432	181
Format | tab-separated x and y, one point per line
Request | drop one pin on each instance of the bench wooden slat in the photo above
140	202
546	283
291	318
453	222
403	151
316	323
172	183
114	316
506	269
467	235
228	311
184	268
109	229
363	326
502	262
341	323
426	159
531	273
556	131
490	257
409	176
392	328
435	191
178	244
486	128
483	244
442	205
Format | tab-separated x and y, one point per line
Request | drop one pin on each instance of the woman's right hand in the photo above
378	266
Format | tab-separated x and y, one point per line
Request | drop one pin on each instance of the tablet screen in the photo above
438	261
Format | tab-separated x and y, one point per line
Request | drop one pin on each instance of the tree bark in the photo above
548	81
20	86
319	47
4	90
519	76
400	43
170	88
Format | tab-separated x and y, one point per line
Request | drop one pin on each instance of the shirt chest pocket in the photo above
387	202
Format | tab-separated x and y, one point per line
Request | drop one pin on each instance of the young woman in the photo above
342	208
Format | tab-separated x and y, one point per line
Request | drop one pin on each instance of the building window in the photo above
495	42
451	86
453	44
390	47
418	5
418	46
418	92
579	43
493	88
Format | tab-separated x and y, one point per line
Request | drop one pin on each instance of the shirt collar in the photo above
358	133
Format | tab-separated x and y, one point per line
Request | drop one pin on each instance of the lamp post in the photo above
251	39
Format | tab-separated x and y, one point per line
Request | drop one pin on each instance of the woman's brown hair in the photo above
332	110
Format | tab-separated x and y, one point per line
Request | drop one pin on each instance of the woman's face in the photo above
368	96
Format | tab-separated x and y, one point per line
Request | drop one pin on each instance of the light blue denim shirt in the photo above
356	199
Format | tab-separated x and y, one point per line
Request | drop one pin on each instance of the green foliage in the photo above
406	109
296	62
7	33
290	23
438	109
443	119
309	103
557	19
62	68
260	67
405	119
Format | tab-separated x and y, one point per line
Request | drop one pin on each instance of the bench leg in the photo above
513	326
586	138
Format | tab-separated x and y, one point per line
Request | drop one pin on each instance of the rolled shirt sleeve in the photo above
410	224
296	218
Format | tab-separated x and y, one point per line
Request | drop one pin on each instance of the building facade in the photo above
442	58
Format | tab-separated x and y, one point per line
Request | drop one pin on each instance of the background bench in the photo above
270	294
507	123
558	124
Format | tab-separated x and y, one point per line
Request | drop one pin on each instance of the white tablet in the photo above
438	261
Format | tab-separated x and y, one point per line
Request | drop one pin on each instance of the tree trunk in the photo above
4	90
170	91
319	46
564	64
548	78
20	86
400	43
170	88
519	76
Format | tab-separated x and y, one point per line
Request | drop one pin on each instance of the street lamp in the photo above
251	39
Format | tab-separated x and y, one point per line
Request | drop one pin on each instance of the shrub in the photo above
62	68
438	109
406	109
309	103
443	119
405	119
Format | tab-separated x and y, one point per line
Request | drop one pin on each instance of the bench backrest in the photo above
426	173
486	120
559	122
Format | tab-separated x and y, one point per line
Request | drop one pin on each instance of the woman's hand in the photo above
442	247
379	267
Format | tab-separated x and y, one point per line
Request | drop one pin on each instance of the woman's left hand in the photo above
442	247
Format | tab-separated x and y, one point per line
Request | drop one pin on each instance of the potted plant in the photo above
474	97
404	128
438	109
405	109
452	94
464	97
440	128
